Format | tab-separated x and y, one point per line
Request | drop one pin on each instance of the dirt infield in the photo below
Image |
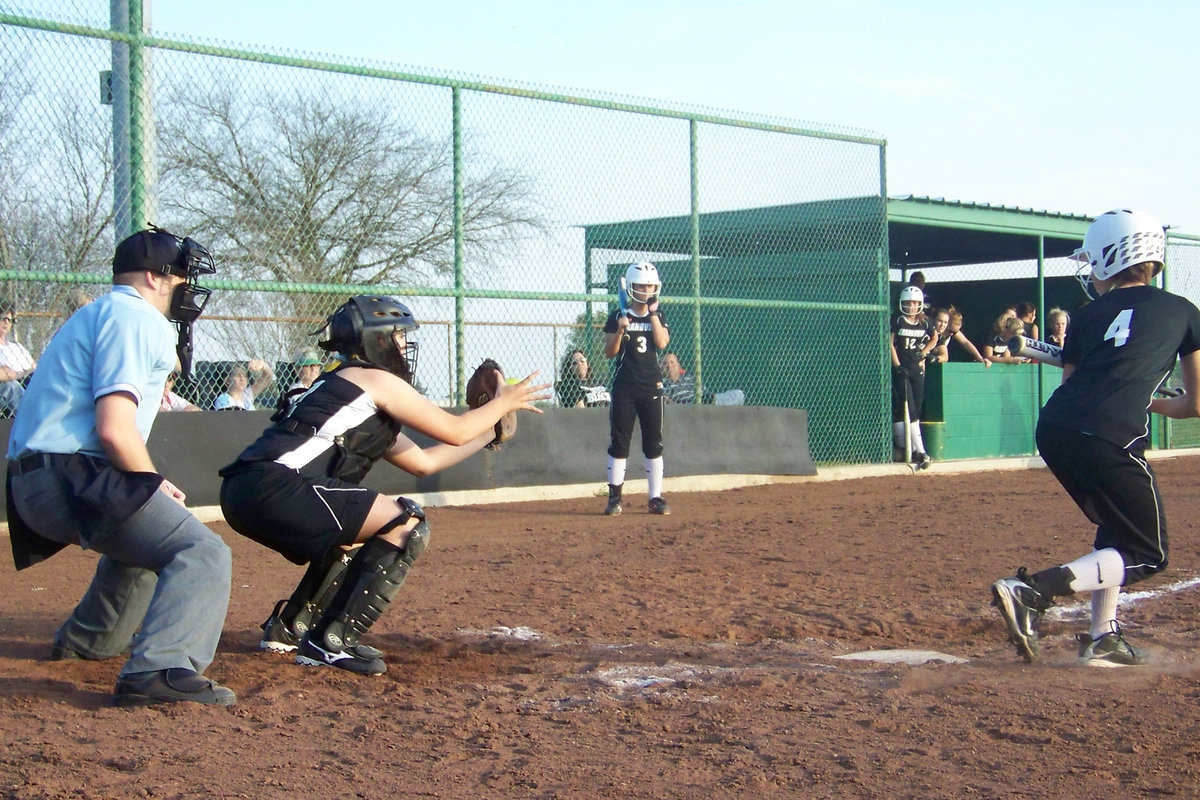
541	650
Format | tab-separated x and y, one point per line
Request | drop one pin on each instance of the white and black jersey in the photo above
636	363
335	430
910	338
1122	346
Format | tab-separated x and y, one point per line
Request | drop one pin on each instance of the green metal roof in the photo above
922	232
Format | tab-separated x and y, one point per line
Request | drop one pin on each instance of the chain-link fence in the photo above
502	214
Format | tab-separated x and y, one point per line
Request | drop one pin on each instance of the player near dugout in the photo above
1092	432
634	338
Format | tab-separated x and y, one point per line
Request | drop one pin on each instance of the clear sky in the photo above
1065	106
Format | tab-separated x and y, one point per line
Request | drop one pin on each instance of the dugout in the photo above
792	304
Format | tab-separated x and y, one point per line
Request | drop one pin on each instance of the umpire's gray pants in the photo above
162	570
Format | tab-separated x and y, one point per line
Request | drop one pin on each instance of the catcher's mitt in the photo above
482	386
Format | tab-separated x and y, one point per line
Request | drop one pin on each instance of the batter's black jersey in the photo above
637	360
1122	346
335	430
909	338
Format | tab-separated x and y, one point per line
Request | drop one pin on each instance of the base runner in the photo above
1092	432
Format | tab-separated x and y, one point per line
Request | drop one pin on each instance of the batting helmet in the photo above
643	273
1117	240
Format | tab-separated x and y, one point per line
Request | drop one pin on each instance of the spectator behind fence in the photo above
1057	321
996	348
1027	313
947	324
241	387
77	298
678	385
171	401
16	364
308	367
578	387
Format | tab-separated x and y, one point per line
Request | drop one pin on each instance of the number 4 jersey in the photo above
1122	346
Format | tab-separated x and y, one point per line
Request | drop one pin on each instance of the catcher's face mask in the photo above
376	329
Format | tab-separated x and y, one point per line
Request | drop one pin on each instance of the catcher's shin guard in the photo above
315	591
374	577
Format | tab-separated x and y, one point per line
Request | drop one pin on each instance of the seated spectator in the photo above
1027	313
1057	321
678	385
171	401
308	367
77	298
16	364
578	388
947	324
996	349
242	386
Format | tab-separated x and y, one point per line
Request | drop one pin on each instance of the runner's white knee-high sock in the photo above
654	476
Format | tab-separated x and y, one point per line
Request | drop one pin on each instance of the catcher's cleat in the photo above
359	659
277	636
659	506
1110	650
613	508
1022	608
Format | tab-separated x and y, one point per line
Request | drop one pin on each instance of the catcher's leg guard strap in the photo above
372	581
315	590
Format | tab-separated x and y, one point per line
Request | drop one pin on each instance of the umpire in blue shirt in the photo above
79	473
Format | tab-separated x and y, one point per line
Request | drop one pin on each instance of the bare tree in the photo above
302	188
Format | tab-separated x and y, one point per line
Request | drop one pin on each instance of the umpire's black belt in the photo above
28	463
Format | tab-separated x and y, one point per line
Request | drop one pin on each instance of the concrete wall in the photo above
559	447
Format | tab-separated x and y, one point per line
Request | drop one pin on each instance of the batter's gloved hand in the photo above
483	385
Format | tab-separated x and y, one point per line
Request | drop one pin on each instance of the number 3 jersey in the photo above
1122	346
636	364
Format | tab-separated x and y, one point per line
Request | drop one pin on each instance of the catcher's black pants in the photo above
645	407
1116	489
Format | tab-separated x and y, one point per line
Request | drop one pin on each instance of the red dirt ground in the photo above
541	650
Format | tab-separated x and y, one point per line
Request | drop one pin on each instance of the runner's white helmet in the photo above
912	300
645	273
1117	240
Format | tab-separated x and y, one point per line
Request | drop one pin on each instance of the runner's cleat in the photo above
1110	650
1022	608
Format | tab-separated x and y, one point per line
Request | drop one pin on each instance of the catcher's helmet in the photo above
374	329
645	273
1117	240
912	300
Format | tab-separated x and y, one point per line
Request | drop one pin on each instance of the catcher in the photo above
296	489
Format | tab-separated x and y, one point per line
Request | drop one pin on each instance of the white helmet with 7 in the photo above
643	273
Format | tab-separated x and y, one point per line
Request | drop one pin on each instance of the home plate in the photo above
903	657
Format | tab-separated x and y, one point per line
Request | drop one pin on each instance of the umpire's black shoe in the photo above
1022	608
175	685
60	652
359	659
